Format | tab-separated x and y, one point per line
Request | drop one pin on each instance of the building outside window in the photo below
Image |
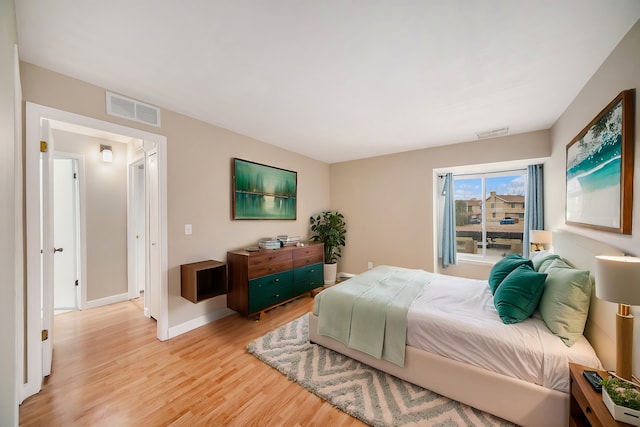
490	211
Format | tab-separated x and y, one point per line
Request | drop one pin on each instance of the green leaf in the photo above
329	228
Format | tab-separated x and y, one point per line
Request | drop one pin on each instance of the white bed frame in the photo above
518	401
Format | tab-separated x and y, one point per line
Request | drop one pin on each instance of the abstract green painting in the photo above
263	192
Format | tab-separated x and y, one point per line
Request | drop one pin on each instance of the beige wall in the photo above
106	212
388	201
620	71
199	171
8	213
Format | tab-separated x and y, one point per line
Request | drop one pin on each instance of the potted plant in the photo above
622	399
329	228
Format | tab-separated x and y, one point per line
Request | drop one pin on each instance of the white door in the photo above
66	234
140	227
137	231
152	300
48	250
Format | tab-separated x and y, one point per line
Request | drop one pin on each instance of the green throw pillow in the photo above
502	268
542	261
519	293
564	305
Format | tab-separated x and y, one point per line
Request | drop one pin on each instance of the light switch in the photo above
188	229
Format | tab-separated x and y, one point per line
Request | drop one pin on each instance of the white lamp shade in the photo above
540	236
618	279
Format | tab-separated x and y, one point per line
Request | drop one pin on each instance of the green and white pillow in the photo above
564	304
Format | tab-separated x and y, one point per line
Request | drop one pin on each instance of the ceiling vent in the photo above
493	133
127	108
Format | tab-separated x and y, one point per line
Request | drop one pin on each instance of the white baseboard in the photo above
105	301
182	328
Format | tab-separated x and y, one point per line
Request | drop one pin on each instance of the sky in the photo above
467	189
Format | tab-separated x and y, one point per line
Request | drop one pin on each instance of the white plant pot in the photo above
330	271
620	413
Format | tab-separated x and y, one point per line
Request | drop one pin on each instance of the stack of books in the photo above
269	243
288	240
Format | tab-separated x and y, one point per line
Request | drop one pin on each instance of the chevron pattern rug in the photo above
361	391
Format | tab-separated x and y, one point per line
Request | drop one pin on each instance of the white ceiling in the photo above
335	80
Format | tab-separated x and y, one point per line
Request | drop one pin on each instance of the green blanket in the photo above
369	312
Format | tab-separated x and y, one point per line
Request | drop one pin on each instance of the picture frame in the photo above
599	169
263	192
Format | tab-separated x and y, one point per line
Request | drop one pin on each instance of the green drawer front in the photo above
268	290
308	277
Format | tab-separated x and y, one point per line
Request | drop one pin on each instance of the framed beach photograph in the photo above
600	169
263	192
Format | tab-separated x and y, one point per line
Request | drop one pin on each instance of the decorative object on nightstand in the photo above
539	238
622	399
617	280
329	228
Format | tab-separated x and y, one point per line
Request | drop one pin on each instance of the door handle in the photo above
57	250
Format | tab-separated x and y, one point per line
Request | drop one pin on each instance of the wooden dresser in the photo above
258	281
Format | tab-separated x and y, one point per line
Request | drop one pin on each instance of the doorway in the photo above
39	301
144	250
66	222
138	239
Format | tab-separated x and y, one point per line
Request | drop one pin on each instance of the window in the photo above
490	213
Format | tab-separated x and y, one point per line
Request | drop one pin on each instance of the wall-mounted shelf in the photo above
203	280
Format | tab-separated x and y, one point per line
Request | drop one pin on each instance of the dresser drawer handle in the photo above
588	409
277	295
276	280
311	271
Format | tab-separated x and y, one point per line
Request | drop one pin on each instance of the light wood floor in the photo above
110	370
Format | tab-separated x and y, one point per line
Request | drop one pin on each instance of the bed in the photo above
521	398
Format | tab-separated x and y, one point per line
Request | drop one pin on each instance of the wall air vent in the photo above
493	133
127	108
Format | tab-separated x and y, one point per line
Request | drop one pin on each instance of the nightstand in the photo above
587	407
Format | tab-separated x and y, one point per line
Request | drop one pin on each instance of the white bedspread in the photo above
473	333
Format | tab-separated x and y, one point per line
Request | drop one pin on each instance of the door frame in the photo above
30	356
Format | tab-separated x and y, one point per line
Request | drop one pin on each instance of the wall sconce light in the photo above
539	238
107	153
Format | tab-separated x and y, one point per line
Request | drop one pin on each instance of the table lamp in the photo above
539	238
618	281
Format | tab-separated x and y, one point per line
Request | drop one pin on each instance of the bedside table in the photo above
587	407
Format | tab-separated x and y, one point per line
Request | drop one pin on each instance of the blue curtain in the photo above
448	223
534	215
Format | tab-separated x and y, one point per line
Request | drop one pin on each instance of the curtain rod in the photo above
484	173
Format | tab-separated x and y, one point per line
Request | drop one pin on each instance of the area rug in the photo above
374	397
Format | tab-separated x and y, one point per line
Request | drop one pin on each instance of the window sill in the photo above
466	259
